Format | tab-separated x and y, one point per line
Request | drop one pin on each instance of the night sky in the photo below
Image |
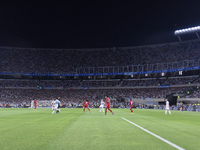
94	23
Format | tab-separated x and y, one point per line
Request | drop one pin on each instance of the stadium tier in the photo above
108	60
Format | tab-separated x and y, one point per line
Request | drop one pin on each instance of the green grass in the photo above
27	129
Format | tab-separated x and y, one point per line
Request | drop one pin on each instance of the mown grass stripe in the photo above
166	141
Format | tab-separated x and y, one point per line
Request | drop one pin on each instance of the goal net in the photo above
42	103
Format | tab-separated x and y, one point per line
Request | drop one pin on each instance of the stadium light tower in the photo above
186	31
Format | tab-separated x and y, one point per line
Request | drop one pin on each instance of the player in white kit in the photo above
167	107
102	105
57	103
53	104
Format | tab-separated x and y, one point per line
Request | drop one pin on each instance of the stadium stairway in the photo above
121	82
195	80
164	82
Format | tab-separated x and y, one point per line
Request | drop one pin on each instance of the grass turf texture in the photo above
23	129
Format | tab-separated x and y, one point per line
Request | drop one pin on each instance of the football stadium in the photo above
144	97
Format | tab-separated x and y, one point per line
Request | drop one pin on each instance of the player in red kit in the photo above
35	103
108	106
131	105
86	105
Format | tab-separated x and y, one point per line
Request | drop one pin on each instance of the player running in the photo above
86	105
56	106
102	105
167	107
53	104
131	106
108	106
35	103
59	104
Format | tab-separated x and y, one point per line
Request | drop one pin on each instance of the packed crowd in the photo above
22	60
195	94
142	55
77	97
38	83
182	80
143	82
101	83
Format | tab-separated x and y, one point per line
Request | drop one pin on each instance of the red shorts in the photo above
86	106
108	106
131	106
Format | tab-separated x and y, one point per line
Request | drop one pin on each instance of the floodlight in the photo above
187	30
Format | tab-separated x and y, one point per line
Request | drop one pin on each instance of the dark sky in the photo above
94	23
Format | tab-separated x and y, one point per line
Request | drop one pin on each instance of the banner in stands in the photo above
103	74
164	86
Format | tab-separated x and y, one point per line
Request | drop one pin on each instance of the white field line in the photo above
166	141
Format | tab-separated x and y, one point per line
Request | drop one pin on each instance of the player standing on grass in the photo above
131	106
56	106
108	106
86	105
102	105
35	104
167	107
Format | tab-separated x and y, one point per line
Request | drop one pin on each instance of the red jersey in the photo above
107	103
107	100
86	103
35	102
130	102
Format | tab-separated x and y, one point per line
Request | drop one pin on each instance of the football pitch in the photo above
71	129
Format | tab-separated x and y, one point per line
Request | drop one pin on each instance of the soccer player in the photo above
59	104
167	107
35	103
102	105
181	109
53	104
56	106
86	105
131	106
108	106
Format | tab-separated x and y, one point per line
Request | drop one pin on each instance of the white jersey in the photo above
57	102
167	108
53	103
167	105
102	103
102	106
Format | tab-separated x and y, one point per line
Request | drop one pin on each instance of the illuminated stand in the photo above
186	31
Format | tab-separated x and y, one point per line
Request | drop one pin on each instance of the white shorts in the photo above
56	106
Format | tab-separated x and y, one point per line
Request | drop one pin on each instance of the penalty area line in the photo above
166	141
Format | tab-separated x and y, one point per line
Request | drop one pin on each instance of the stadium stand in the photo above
19	89
162	56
